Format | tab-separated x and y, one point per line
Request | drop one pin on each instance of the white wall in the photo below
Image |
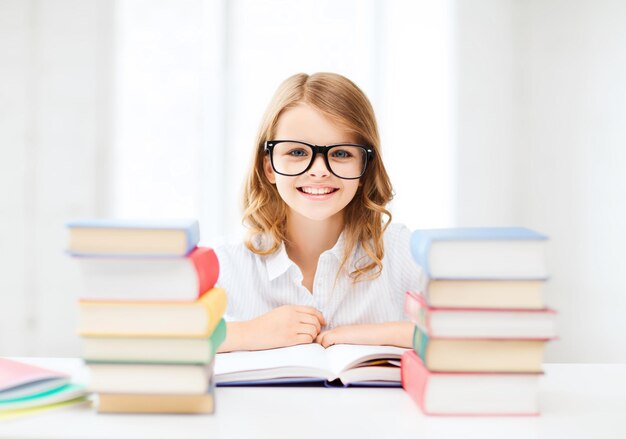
53	130
531	105
486	107
541	143
576	176
142	108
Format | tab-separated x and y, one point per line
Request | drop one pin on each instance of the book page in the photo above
342	357
306	360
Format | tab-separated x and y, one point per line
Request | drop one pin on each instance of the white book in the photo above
149	378
480	323
136	279
350	364
481	253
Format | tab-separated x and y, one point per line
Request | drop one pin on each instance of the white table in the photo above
577	401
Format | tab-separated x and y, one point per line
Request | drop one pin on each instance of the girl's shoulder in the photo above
234	250
396	233
397	242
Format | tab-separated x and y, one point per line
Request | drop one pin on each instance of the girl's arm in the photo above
391	333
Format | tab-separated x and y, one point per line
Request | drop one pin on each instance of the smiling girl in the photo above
321	262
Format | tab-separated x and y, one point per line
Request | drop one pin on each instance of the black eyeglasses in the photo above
344	160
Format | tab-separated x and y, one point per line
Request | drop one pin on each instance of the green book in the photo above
162	350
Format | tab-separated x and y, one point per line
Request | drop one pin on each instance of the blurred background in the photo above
492	113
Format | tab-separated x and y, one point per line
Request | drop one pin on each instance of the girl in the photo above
321	262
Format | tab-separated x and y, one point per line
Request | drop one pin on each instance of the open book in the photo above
338	365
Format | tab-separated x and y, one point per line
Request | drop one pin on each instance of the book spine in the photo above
416	310
206	264
414	377
193	236
420	247
218	337
214	302
420	343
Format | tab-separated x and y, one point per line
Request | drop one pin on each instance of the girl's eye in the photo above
341	154
297	153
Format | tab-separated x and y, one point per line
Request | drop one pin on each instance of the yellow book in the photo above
143	403
11	414
153	319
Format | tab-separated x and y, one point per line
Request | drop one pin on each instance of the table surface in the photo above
576	400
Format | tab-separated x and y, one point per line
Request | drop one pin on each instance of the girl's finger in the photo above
310	320
312	311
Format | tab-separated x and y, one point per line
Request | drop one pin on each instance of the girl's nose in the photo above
318	168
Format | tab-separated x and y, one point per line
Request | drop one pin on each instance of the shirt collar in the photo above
278	263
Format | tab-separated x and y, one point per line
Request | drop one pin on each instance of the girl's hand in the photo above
286	325
392	333
352	334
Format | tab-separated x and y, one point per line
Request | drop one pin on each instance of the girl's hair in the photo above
265	213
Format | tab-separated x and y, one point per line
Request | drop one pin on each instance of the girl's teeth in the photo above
315	191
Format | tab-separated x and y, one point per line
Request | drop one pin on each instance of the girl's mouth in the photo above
317	190
317	193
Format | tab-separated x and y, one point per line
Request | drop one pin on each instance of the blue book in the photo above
481	253
115	237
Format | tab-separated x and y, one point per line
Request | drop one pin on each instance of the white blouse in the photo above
257	284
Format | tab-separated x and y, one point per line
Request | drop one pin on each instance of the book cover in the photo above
480	253
480	323
66	392
26	388
117	237
153	319
149	279
469	394
339	365
19	379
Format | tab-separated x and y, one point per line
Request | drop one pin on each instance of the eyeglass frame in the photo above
318	149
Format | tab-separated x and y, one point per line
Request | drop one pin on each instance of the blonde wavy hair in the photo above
265	213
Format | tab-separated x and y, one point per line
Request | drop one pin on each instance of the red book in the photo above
469	394
524	324
166	279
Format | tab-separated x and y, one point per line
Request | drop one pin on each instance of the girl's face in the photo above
317	194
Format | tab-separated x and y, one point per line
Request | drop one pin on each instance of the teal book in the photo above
66	392
143	238
162	350
481	253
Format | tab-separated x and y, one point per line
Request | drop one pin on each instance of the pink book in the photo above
17	379
469	394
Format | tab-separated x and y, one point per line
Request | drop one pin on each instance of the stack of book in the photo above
149	316
481	322
26	388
